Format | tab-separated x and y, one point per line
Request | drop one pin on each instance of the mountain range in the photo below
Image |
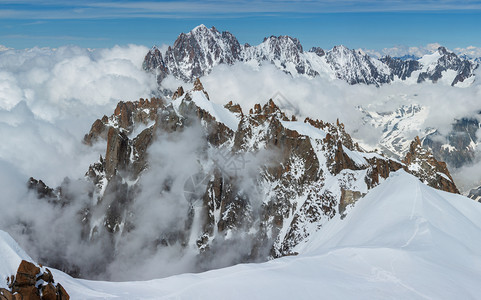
196	53
239	186
185	184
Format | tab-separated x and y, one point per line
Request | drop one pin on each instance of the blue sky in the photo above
373	24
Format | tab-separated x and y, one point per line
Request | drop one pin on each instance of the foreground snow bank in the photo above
404	240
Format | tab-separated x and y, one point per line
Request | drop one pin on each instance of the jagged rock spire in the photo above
178	93
199	87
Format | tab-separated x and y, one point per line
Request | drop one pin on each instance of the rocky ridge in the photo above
196	53
302	175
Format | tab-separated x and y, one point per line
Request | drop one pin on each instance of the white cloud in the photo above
470	51
50	97
329	100
48	100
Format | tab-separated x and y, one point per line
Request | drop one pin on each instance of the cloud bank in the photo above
50	97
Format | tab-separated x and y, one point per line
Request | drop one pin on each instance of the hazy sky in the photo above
372	24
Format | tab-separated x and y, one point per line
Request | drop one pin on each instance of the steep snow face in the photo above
404	240
10	257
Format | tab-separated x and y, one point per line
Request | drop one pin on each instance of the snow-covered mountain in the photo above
237	186
196	53
403	240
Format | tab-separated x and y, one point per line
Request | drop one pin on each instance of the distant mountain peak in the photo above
200	27
442	50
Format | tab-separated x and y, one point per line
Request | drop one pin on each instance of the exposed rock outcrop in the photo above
421	163
32	282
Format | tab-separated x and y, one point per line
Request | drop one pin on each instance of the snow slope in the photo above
404	240
10	257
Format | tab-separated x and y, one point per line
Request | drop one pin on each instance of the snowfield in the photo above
404	240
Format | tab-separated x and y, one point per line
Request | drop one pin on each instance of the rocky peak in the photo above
235	108
283	42
335	132
355	67
443	51
199	87
194	54
319	51
401	68
421	163
41	189
270	109
435	65
153	59
125	116
282	51
178	93
154	62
